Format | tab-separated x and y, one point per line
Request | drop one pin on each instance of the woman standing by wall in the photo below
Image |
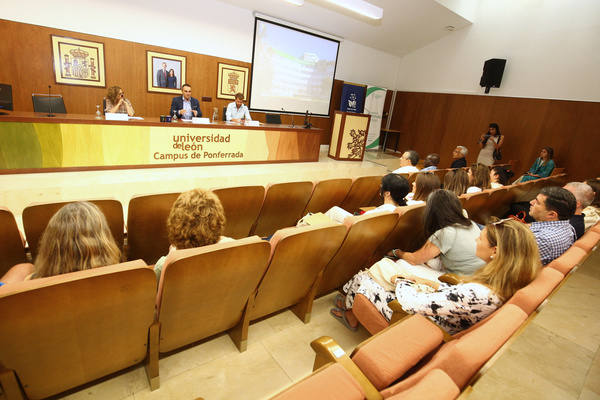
490	142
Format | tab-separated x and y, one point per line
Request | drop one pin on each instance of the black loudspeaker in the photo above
492	73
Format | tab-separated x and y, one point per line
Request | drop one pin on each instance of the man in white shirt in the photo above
237	111
408	162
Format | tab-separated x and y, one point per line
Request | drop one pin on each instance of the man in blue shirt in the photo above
185	106
237	111
552	208
431	162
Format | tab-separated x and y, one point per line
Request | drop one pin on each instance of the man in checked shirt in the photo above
552	208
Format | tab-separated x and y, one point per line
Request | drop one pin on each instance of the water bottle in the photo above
98	113
174	119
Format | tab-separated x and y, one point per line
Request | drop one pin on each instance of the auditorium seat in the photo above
326	194
205	291
365	234
298	257
11	242
242	205
407	235
282	207
436	385
37	216
367	315
588	241
531	296
499	202
462	358
147	226
569	259
67	330
361	193
332	381
476	205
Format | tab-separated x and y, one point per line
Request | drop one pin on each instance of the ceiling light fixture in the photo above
296	2
361	7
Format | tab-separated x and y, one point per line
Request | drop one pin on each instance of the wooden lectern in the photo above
348	136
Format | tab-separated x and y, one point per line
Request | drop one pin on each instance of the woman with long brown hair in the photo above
425	183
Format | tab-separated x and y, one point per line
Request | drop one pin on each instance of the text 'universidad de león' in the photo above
192	147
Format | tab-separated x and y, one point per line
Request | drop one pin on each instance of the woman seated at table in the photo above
512	261
541	168
423	186
479	178
77	237
117	103
456	181
196	219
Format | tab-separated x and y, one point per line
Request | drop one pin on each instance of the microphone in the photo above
307	124
292	116
49	103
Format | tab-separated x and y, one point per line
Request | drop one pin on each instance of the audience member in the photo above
408	162
592	212
431	162
498	177
552	209
117	103
490	142
424	184
185	106
77	237
456	181
393	191
541	168
479	178
511	259
459	154
584	196
196	219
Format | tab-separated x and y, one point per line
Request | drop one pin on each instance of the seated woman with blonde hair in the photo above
117	103
512	261
196	219
456	181
479	178
76	238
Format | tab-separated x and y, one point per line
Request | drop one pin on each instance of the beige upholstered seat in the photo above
365	234
63	331
242	205
282	207
147	226
205	290
37	216
11	242
298	257
361	193
327	194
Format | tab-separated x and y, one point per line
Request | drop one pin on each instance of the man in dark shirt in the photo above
459	154
584	195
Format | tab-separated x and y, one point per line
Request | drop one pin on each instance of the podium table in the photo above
33	142
348	136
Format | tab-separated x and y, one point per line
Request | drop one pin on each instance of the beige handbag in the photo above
383	270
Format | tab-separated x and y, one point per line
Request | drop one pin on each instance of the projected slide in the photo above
291	69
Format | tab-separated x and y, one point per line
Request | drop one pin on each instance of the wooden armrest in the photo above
398	314
450	279
365	209
327	350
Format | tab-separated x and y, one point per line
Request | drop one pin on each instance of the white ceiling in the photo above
406	25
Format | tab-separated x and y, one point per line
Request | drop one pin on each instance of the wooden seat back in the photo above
407	235
11	242
37	216
204	291
327	194
477	207
63	331
499	202
242	205
282	207
298	258
362	191
365	234
147	226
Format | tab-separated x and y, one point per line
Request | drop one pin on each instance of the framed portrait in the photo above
78	62
231	79
166	72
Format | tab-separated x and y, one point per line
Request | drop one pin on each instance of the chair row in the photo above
414	358
195	300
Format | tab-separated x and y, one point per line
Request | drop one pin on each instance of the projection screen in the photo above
292	70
